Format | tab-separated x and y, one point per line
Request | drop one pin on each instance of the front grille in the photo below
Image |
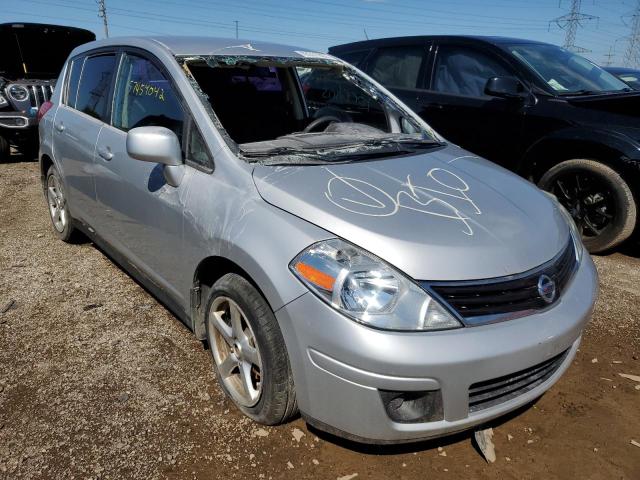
503	297
499	390
38	94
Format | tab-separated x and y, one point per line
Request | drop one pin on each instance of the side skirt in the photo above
155	290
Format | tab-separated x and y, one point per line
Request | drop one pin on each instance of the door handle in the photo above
105	152
59	127
437	106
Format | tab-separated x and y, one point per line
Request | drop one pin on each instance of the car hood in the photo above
619	104
444	215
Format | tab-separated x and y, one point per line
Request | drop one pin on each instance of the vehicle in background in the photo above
337	255
550	115
32	57
629	76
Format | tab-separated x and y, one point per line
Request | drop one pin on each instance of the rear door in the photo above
455	105
141	215
77	123
400	68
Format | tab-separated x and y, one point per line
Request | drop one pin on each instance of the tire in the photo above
61	220
276	400
598	198
5	150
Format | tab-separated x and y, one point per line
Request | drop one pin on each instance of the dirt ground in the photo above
98	380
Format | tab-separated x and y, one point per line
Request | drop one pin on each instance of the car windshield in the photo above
317	109
565	72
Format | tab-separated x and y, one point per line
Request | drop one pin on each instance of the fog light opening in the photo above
413	407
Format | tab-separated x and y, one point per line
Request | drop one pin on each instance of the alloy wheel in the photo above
235	351
588	199
57	203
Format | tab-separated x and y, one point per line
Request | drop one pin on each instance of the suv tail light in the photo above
44	108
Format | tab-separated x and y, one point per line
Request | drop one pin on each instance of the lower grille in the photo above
499	390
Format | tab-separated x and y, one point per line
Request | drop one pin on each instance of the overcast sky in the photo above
318	24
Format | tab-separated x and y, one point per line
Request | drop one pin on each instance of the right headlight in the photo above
367	289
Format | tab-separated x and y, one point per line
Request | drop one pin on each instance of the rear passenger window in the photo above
75	69
95	83
397	66
144	97
465	71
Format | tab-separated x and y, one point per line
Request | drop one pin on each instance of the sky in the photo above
318	24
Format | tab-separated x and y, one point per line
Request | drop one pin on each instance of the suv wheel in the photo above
597	197
5	149
248	350
58	208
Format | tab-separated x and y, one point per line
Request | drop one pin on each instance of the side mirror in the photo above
505	87
157	145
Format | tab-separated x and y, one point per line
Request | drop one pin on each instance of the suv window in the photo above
93	92
397	66
465	71
75	69
354	58
144	97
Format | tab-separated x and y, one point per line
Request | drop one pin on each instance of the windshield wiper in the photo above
585	92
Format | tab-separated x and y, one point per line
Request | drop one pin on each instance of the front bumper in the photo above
340	366
17	120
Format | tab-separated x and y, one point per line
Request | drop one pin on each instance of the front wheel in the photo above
597	197
248	350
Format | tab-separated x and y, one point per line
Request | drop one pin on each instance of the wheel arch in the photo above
45	163
212	268
610	148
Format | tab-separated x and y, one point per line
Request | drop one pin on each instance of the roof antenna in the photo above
365	33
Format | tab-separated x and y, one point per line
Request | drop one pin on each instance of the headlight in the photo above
3	101
18	93
368	290
576	235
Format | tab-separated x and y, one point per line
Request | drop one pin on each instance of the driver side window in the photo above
464	71
144	97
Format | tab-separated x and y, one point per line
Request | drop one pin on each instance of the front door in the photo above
141	215
456	106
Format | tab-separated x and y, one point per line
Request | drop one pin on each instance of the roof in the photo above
499	41
621	70
185	45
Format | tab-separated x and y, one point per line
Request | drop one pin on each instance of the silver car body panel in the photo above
440	215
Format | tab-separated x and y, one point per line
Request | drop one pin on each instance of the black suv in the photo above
546	113
32	56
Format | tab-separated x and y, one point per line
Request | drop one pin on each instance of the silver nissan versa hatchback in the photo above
338	256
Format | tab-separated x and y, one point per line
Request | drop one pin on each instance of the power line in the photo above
102	13
631	56
570	22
